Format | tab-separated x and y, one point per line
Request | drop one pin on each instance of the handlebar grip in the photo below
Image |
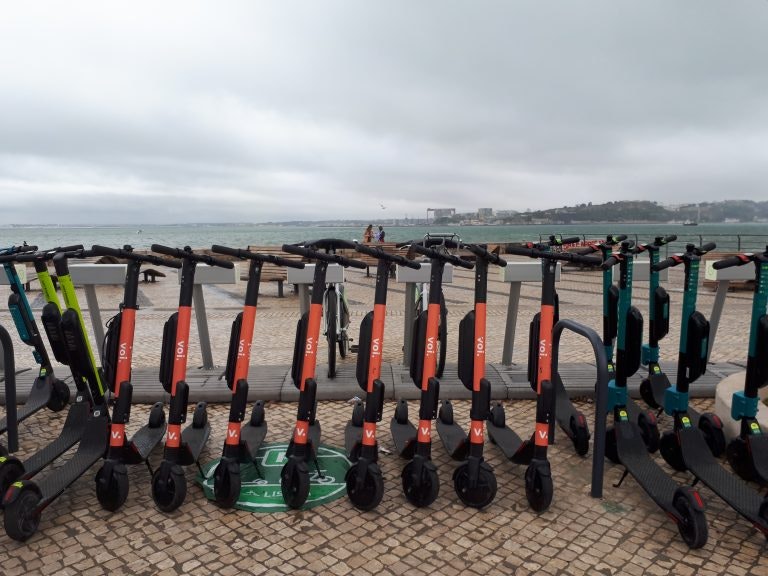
615	239
351	263
23	249
668	239
704	248
277	261
609	262
211	261
671	261
167	250
461	262
402	261
298	250
739	260
237	252
483	253
106	251
72	248
555	241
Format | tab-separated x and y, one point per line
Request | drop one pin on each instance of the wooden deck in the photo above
273	382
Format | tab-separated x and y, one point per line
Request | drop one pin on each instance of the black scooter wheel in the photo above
497	417
446	413
484	491
369	495
538	486
579	434
294	482
200	415
646	393
257	414
401	412
650	430
156	415
59	396
712	428
112	486
611	450
11	469
670	450
740	459
693	523
22	517
226	482
421	491
169	487
358	414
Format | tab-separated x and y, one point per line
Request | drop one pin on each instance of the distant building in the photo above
484	213
444	212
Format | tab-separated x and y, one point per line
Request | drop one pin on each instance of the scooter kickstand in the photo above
623	476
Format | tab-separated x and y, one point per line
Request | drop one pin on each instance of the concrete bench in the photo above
304	278
270	272
722	279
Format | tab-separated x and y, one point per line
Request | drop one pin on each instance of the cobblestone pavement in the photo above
624	533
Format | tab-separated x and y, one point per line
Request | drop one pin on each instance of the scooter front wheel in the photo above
740	459
226	482
59	396
421	491
580	434
646	393
611	450
650	431
670	450
112	486
482	493
712	428
369	495
169	487
538	485
294	482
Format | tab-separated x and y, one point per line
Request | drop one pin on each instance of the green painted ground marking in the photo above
260	490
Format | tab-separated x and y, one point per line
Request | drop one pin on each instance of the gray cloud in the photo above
282	110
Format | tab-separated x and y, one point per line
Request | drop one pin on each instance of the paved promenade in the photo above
624	533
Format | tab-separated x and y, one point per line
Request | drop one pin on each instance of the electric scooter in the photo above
653	388
169	484
419	476
646	419
242	443
539	488
47	390
474	481
26	499
571	420
365	484
748	452
294	477
112	477
685	447
625	443
12	468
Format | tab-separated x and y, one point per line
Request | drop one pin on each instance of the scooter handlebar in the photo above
187	254
482	252
610	262
667	263
555	241
543	254
377	252
318	255
129	254
248	255
704	248
738	260
435	255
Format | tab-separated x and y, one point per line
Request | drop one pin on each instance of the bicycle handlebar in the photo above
376	252
482	252
128	253
317	255
187	254
248	255
435	255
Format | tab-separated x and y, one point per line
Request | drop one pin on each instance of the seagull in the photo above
383	207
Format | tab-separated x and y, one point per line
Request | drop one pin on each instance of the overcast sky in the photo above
161	112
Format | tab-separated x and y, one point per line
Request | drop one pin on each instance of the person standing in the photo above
380	234
368	234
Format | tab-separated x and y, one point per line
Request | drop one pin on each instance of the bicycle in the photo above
335	323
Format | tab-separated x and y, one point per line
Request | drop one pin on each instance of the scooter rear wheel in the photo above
294	482
611	450
483	493
446	413
370	494
422	491
693	526
646	393
169	487
226	482
22	517
580	434
10	470
358	414
112	486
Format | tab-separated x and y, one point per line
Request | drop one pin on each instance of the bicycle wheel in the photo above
330	332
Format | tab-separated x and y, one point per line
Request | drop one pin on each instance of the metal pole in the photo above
202	326
717	311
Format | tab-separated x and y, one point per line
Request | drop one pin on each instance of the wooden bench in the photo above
151	275
388	247
270	272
